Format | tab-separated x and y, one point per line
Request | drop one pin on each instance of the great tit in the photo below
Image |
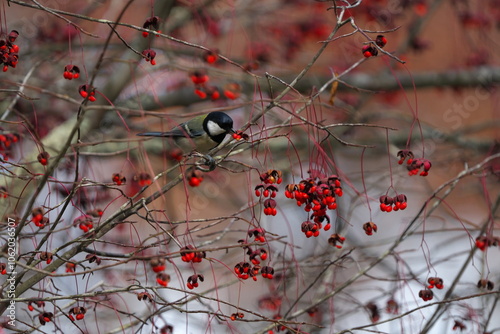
200	134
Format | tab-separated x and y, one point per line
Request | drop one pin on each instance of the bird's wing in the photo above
181	130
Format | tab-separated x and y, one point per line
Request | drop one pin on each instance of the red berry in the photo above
145	34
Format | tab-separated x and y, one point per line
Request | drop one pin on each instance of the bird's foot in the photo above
209	162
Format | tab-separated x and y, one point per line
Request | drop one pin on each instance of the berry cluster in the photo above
5	144
158	266
78	312
190	254
84	223
318	195
118	179
71	72
151	23
9	52
253	255
87	91
414	165
244	270
258	234
200	79
370	50
418	164
192	281
268	190
37	217
388	204
436	282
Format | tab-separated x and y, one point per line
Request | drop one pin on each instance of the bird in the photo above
200	134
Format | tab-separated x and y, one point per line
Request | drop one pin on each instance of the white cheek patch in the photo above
214	129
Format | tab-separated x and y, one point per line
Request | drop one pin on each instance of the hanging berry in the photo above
77	312
258	234
145	296
485	284
157	264
87	91
238	135
143	179
270	207
43	158
210	56
118	179
369	228
151	23
3	268
405	154
369	51
381	41
235	316
267	272
199	77
149	55
195	178
45	317
93	258
162	279
336	240
192	281
71	72
232	91
242	270
435	282
46	256
70	267
417	164
426	295
84	223
190	254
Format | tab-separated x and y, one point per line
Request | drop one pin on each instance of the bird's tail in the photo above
152	134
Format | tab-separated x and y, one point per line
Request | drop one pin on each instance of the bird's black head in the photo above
217	124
